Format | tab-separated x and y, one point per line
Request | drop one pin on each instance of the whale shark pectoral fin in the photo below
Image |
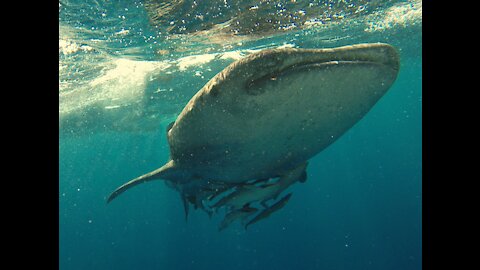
153	175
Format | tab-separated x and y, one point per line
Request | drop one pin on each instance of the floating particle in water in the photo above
123	32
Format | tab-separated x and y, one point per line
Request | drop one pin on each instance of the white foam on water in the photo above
400	15
233	55
194	60
191	61
69	47
124	83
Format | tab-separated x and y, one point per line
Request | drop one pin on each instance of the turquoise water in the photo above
122	80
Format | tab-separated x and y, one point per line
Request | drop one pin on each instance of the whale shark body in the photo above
263	117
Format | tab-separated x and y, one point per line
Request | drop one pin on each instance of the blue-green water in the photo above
359	209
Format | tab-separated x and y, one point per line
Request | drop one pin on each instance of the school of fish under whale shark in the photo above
247	135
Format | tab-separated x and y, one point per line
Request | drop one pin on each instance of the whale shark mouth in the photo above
373	55
308	67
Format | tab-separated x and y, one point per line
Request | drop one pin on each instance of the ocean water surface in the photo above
126	70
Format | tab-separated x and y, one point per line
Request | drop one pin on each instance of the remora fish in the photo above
238	214
251	193
268	211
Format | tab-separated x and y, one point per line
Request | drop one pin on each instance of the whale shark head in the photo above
259	72
294	98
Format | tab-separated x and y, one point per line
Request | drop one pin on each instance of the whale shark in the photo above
265	115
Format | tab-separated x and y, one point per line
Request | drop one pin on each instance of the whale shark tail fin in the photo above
153	175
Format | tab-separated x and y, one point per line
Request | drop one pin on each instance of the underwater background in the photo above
127	68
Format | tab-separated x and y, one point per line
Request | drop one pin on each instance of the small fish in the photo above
251	193
241	214
267	212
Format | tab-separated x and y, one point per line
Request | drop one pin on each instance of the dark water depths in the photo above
123	79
